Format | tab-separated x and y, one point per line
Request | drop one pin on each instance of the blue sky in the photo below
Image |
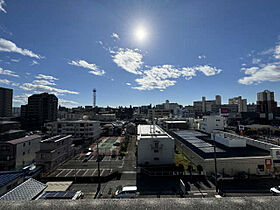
139	52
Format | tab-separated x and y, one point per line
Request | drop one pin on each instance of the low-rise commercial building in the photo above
18	153
155	146
79	129
54	150
234	153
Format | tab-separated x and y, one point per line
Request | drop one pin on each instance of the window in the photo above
156	158
156	151
23	153
29	142
261	167
23	144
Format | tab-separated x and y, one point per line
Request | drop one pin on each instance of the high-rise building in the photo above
6	100
205	106
266	105
41	108
242	103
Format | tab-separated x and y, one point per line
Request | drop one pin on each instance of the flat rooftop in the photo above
203	146
23	139
147	130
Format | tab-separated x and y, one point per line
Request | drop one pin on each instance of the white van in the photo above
126	192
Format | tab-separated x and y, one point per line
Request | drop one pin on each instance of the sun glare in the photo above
140	34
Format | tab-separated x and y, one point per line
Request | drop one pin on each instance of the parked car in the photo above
126	192
275	190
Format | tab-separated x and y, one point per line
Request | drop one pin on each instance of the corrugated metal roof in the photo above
8	176
28	190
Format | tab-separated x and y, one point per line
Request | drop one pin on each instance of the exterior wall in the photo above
54	152
228	139
26	152
156	151
78	129
211	123
7	156
6	99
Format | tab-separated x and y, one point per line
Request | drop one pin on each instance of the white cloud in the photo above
128	59
128	83
15	60
94	68
43	82
201	57
256	60
277	52
34	63
5	81
46	77
21	99
8	46
8	72
161	77
37	88
115	35
66	102
2	3
269	72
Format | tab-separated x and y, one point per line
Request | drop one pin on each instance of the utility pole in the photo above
215	160
98	168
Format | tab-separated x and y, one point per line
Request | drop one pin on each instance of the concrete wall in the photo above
26	152
147	151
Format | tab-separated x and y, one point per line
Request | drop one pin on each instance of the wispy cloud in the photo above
2	3
265	71
8	72
15	60
8	82
38	88
46	77
84	64
128	59
67	102
43	82
201	57
128	83
115	35
34	63
21	99
8	46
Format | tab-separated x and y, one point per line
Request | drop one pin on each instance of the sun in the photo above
140	33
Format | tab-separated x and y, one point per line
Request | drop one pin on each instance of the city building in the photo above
205	106
266	105
158	113
79	129
251	107
19	153
16	111
212	122
6	101
155	146
54	151
234	153
242	103
10	130
41	108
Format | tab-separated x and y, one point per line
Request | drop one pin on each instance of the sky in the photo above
139	52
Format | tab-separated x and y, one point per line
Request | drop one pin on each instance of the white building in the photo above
18	153
155	146
212	122
80	129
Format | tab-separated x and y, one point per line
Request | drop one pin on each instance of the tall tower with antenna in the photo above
94	98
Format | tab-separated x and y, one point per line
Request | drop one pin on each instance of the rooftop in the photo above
203	146
147	130
28	190
8	176
24	139
56	138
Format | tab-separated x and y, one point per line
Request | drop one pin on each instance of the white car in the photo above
275	190
126	192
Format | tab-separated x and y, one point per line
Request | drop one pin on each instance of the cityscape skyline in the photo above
145	53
